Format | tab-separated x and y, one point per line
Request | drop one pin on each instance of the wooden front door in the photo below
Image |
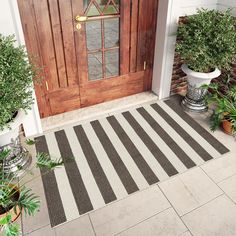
91	50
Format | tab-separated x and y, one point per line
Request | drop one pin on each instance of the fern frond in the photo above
28	201
44	161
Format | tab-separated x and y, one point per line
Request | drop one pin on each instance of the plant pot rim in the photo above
16	216
15	123
229	123
210	75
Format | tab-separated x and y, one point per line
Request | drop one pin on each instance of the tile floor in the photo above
200	202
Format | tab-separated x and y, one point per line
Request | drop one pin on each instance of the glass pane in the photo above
101	6
112	63
93	11
93	35
86	3
95	66
108	7
111	32
109	10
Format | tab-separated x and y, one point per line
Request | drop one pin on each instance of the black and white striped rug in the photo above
121	154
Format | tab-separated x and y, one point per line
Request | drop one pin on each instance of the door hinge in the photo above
46	83
144	65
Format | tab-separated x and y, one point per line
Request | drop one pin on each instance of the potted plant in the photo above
223	104
206	44
16	74
15	196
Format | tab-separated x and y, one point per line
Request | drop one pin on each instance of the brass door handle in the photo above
79	18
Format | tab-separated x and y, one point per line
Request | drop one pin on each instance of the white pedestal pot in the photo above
194	99
7	134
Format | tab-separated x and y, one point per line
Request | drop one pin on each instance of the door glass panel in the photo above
112	63
111	32
102	38
109	9
94	35
86	3
95	66
101	7
93	11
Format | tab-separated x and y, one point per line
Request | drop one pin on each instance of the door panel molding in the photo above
50	32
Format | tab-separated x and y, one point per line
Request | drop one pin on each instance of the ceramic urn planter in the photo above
194	99
9	134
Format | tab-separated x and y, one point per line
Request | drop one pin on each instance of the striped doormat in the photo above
121	154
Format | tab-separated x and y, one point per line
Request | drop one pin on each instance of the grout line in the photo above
92	224
230	176
221	188
148	218
38	229
175	210
187	231
222	194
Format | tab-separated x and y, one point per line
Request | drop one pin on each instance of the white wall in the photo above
168	15
225	4
10	24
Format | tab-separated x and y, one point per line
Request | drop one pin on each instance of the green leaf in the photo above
30	142
28	201
11	229
16	80
4	154
45	161
5	220
207	39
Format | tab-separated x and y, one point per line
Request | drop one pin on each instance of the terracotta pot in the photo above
14	216
227	127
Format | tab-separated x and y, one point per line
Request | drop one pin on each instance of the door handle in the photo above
79	18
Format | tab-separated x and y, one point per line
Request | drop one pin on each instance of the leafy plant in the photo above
223	105
207	40
16	74
14	193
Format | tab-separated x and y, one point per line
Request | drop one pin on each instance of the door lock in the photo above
78	26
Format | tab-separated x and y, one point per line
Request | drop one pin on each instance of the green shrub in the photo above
207	40
16	75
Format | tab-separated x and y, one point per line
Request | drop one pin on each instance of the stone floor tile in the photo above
41	219
190	190
215	218
123	214
221	168
229	187
46	231
79	227
166	223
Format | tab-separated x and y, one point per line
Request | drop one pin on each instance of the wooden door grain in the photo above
50	33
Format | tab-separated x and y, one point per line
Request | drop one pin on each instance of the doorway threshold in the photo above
56	122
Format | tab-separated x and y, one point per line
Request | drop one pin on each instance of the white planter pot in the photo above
7	134
194	99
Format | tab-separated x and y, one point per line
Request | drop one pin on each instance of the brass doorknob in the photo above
79	18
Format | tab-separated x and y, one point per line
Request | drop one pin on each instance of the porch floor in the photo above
200	201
